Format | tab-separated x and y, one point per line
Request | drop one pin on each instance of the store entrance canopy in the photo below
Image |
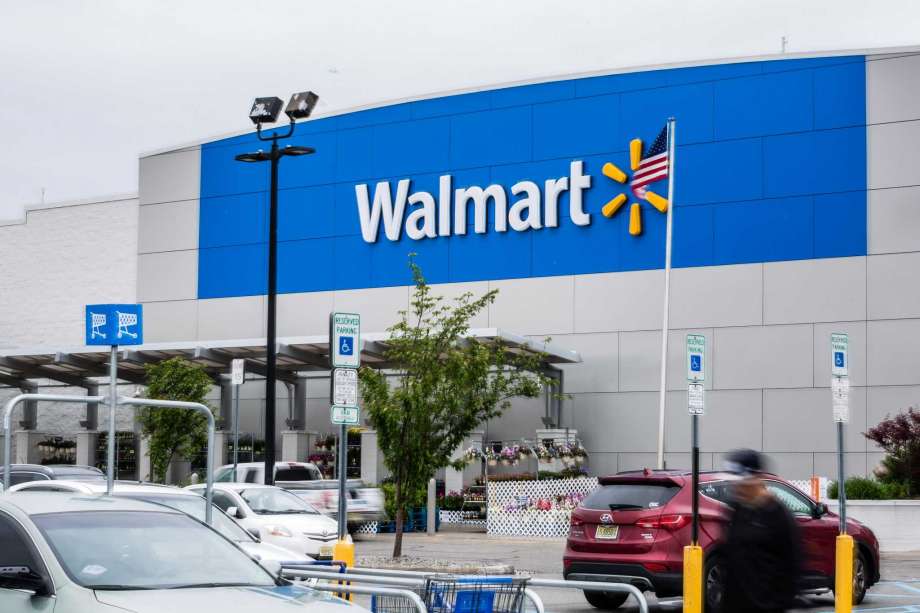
88	366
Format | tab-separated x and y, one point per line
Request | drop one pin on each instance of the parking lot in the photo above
899	590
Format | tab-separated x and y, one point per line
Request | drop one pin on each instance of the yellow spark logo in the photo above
611	171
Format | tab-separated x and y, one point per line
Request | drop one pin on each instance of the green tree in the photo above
174	432
446	384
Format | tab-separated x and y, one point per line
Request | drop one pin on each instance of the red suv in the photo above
633	529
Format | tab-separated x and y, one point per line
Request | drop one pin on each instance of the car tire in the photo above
860	577
606	601
713	584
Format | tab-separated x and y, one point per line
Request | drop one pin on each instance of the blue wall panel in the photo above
771	165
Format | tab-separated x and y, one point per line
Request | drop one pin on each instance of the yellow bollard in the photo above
693	579
843	582
344	551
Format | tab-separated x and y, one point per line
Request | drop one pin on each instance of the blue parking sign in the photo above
114	324
347	345
695	362
839	359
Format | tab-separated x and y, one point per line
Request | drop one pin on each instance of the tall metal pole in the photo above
270	343
662	395
236	429
695	479
343	474
841	481
113	402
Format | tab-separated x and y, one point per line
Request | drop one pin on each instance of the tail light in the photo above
577	527
667	522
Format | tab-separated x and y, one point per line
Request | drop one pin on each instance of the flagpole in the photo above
662	394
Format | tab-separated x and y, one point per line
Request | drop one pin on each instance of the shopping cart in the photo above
451	594
97	320
124	321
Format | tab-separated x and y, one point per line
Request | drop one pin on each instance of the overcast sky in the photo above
85	86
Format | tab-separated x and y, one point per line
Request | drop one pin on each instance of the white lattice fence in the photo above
535	508
816	487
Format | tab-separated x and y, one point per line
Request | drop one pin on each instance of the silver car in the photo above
82	554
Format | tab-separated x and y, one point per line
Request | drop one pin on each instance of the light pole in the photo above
266	110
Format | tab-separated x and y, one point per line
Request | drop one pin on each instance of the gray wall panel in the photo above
893	288
815	290
854	465
172	275
886	402
893	89
716	296
378	306
304	314
640	361
168	177
856	332
598	463
170	321
617	422
619	301
231	318
893	151
541	306
893	352
636	461
171	226
763	357
801	420
733	419
792	465
894	216
599	369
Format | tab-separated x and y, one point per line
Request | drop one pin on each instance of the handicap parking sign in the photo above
695	362
346	345
838	359
114	324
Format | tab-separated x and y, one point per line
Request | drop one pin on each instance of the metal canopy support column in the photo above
30	408
226	402
92	410
299	418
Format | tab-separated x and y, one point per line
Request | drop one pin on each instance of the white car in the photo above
177	498
280	517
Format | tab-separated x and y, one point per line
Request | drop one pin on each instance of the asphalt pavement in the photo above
898	592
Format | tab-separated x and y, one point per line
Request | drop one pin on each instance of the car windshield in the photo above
626	496
195	506
272	501
128	550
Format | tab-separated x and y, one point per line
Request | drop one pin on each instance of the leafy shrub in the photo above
862	488
413	499
899	436
452	501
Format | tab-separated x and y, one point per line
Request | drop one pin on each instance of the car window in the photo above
46	486
14	550
24	477
796	502
717	490
224	475
251	475
222	500
630	495
196	506
297	473
273	501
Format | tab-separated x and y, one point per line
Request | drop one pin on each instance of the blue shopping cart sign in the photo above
114	324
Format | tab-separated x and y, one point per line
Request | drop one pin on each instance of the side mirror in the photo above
235	512
819	510
255	533
23	578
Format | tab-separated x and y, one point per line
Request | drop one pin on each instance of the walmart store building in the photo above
796	215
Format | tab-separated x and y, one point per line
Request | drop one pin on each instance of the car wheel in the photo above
605	600
714	585
860	577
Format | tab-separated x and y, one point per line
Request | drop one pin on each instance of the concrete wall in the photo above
53	262
767	324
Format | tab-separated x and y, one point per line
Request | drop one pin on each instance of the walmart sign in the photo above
449	216
511	183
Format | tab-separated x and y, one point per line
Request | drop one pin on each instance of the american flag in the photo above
653	167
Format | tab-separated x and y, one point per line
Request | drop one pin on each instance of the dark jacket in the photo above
762	550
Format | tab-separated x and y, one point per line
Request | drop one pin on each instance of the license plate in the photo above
607	532
325	551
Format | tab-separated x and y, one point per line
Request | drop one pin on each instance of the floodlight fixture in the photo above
301	105
265	110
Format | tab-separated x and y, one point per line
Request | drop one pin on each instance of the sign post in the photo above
237	377
113	325
345	355
696	403
840	407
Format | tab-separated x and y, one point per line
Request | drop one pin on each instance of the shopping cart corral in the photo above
400	591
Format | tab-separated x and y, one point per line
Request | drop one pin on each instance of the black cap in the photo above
744	462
